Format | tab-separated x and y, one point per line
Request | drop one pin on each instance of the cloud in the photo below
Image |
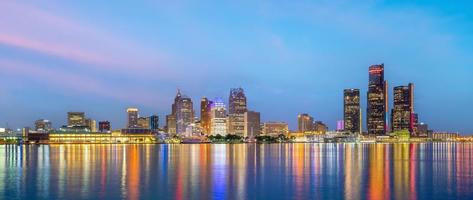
30	28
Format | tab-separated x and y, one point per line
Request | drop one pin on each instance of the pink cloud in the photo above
41	31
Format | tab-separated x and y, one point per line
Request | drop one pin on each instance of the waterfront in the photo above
237	171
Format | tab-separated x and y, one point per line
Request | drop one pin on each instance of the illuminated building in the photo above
377	101
133	135
76	119
43	125
184	112
422	130
402	114
236	111
91	124
340	125
144	122
154	122
132	118
305	123
444	136
104	126
252	124
352	111
218	118
205	115
275	128
320	127
171	124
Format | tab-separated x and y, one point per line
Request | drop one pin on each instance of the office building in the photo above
43	125
352	111
305	123
154	122
218	119
104	126
236	111
132	118
144	122
205	115
171	124
377	101
320	127
184	112
402	114
76	119
252	122
91	124
275	128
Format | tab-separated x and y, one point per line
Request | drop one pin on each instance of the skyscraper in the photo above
154	122
205	114
402	114
218	121
132	117
171	124
76	119
305	123
236	110
352	111
377	101
252	124
184	111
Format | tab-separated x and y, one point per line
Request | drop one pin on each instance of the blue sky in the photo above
290	57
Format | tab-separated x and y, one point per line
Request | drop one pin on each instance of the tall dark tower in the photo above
402	115
377	101
352	110
236	111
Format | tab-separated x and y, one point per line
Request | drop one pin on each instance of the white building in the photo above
218	118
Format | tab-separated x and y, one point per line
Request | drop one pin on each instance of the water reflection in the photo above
240	171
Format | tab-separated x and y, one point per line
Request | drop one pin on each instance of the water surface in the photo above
237	171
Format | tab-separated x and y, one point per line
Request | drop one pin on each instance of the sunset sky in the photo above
100	58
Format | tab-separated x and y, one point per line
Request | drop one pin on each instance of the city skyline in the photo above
293	64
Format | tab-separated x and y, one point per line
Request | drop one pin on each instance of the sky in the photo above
290	57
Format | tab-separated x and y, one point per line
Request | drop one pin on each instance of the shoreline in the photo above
232	143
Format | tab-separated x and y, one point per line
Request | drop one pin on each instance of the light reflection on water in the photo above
240	171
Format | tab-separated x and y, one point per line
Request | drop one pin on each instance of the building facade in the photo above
252	124
144	122
218	121
352	111
104	126
377	101
402	114
205	115
76	119
237	106
132	118
320	127
305	123
154	122
171	124
43	125
275	128
184	114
